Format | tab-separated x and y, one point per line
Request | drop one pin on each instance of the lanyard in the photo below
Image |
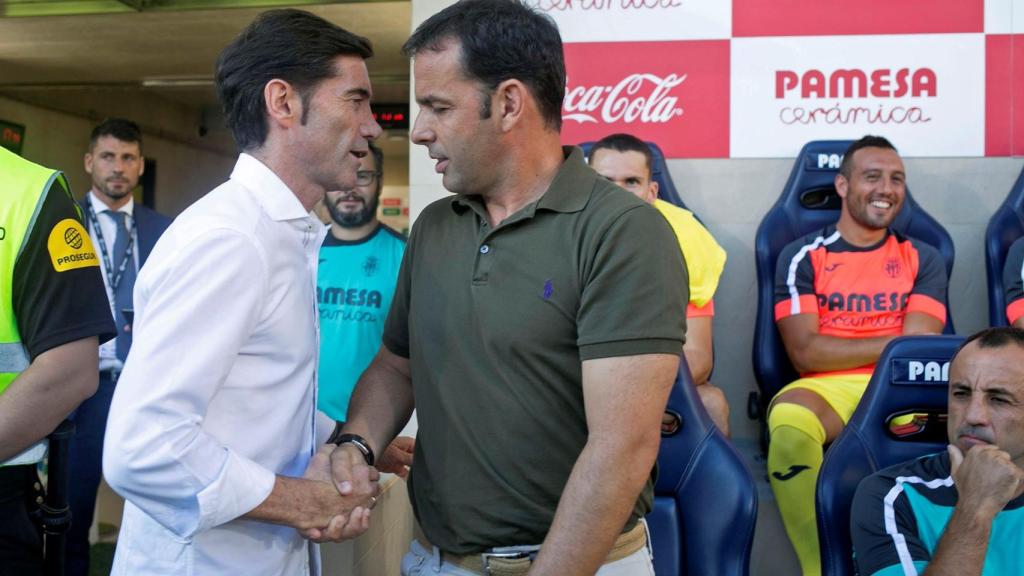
113	280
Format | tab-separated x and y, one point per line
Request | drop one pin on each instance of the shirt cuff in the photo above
631	348
241	486
927	305
1015	310
705	311
805	304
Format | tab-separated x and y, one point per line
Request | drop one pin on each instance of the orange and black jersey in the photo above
58	293
1013	281
859	292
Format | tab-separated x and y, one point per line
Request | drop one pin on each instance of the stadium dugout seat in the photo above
705	502
1006	225
666	188
911	378
809	202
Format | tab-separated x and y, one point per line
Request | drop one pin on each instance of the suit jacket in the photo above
150	225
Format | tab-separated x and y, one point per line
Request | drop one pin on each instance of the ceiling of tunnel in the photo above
92	57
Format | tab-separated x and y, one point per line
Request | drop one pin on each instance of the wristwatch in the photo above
356	440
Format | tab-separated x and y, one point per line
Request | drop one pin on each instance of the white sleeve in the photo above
196	308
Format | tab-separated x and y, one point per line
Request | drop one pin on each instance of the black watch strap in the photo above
356	440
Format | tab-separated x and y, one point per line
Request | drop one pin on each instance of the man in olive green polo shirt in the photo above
532	322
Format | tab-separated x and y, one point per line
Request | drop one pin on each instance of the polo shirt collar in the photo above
276	198
564	195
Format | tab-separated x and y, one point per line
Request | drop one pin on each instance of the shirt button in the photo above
485	249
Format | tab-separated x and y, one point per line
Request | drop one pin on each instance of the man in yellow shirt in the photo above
627	161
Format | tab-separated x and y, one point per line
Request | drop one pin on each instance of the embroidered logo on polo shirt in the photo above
549	289
70	247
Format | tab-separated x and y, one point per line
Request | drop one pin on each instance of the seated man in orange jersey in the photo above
627	161
841	294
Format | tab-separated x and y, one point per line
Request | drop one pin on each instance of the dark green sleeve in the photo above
396	327
635	286
56	307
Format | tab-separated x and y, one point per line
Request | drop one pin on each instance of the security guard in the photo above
53	315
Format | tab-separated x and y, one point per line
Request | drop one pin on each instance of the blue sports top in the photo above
354	286
900	513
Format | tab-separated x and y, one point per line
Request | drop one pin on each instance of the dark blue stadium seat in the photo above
1006	225
705	502
911	377
666	188
809	202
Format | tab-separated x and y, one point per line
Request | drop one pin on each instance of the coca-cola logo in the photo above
855	83
644	98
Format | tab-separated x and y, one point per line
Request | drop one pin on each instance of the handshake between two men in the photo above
341	489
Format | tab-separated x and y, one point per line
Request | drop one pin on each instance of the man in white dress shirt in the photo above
212	424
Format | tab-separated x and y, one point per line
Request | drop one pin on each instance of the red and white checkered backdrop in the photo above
759	78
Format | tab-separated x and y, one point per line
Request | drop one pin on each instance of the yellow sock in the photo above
794	459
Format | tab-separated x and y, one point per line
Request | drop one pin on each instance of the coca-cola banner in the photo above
640	20
1004	95
673	93
760	78
838	17
925	92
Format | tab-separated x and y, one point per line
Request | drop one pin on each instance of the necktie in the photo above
123	294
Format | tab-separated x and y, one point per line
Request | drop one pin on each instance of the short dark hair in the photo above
501	40
293	45
622	142
121	128
378	165
868	141
993	338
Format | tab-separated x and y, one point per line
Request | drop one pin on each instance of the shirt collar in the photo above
276	198
568	191
99	207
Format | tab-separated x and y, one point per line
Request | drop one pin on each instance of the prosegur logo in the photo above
70	247
848	84
645	98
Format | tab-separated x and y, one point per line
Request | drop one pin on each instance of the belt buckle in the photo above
509	555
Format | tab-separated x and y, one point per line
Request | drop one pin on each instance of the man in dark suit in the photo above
124	233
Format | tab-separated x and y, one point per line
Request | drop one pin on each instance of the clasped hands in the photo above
348	488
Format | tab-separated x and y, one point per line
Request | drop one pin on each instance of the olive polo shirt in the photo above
496	322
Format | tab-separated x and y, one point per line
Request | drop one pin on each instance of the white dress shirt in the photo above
108	350
219	392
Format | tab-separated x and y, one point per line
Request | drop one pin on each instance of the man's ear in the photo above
142	165
87	161
510	99
283	103
842	185
653	194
